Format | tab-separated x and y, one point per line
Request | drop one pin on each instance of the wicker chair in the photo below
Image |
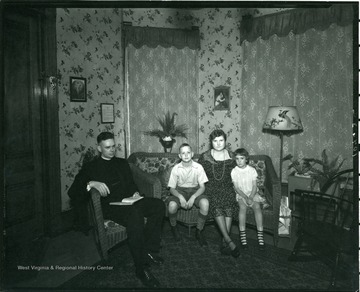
269	184
107	237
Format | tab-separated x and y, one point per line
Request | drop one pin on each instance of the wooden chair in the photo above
326	229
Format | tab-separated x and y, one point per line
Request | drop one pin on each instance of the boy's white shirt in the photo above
183	180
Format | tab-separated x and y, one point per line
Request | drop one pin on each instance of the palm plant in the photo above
329	168
169	130
301	166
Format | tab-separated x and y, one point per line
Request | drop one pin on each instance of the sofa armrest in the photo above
148	184
98	221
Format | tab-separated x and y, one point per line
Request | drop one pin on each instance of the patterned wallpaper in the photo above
88	43
219	61
89	46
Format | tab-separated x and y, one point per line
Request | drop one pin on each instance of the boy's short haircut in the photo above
242	152
184	145
104	136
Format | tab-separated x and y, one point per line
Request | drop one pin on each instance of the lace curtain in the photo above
159	79
312	70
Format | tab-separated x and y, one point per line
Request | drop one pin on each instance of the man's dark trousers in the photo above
142	237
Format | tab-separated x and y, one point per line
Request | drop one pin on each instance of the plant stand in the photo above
167	145
298	182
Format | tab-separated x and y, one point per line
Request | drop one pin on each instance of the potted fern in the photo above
328	168
169	130
312	173
300	167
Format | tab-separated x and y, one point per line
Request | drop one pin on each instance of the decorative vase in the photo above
167	144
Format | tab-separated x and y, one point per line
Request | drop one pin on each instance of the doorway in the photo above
31	146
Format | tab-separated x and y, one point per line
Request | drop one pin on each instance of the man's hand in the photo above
136	195
101	187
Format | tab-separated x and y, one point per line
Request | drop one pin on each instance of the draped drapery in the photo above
313	71
160	78
297	21
164	37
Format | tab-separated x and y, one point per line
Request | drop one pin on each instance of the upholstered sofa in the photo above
151	172
158	167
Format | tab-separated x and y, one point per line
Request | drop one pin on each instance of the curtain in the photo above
313	71
161	79
298	21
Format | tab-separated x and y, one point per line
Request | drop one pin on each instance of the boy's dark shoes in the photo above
147	279
262	247
199	235
154	259
175	232
225	250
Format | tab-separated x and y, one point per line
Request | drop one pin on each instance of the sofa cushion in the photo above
260	167
155	164
164	176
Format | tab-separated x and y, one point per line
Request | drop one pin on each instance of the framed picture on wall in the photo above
107	113
222	98
78	89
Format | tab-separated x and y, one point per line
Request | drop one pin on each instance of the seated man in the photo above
112	177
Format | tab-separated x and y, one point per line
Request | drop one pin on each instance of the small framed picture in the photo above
78	89
222	98
107	113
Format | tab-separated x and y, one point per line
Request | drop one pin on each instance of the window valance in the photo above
165	37
297	20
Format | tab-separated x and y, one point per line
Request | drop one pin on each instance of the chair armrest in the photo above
148	184
272	184
98	220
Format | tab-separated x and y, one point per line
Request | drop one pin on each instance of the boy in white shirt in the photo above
187	185
244	179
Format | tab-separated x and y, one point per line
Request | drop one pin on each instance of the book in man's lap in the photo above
127	201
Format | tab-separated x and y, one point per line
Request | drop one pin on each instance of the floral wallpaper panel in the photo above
88	46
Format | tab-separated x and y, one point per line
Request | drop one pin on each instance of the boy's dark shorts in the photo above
187	193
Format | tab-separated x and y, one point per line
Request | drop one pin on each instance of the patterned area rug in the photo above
187	265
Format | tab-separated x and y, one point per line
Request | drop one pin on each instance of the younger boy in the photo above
187	185
244	179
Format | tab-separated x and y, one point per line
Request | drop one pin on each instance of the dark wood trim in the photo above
52	200
2	147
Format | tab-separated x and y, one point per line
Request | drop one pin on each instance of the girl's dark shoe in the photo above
261	241
243	242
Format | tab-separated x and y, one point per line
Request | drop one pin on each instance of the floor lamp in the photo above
282	120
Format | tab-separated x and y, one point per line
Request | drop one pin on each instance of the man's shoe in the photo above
175	233
199	235
154	259
147	279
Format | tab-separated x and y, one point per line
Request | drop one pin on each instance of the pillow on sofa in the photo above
164	176
264	193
